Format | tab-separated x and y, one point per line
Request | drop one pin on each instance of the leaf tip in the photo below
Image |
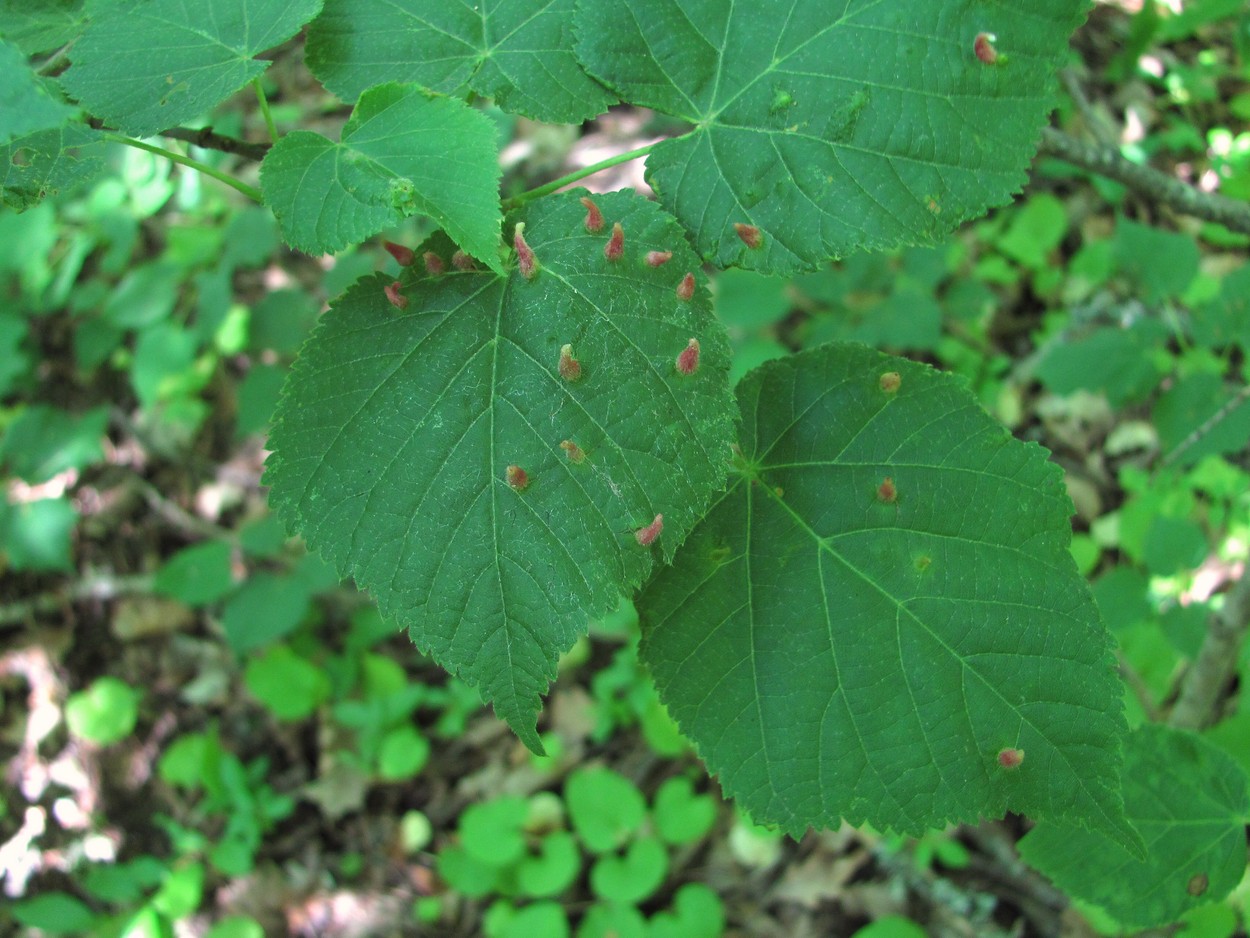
751	236
688	359
594	217
646	536
570	368
615	248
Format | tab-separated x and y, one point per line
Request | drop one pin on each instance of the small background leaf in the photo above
518	52
395	431
869	658
145	65
402	152
1189	802
833	130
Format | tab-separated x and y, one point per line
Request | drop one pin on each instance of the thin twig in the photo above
1207	425
101	586
1158	186
208	139
1208	677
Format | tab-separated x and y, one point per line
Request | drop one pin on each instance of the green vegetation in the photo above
845	517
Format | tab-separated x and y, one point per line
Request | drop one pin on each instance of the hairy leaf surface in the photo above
519	52
403	152
880	604
396	430
1189	802
145	65
831	126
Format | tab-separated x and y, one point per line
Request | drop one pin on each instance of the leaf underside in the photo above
396	430
402	152
145	65
839	647
1189	802
831	126
519	52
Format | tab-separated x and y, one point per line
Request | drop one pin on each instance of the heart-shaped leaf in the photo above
880	620
825	128
493	460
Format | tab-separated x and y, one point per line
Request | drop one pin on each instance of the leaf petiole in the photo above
250	191
529	196
264	109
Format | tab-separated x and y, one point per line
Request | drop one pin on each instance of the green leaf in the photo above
144	65
396	429
681	816
1189	801
403	152
832	130
25	105
942	618
36	26
55	913
289	686
632	876
605	808
519	52
196	575
104	713
36	535
44	441
48	162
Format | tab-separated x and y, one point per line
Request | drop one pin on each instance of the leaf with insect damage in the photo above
483	459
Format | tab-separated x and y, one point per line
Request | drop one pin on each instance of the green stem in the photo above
519	200
264	109
252	193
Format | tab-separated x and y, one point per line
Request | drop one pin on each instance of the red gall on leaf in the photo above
685	289
570	367
616	244
751	236
658	258
594	217
433	263
887	492
645	536
462	261
688	360
891	381
518	478
573	451
403	256
1010	759
397	299
524	254
983	46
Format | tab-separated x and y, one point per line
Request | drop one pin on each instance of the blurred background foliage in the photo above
204	733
